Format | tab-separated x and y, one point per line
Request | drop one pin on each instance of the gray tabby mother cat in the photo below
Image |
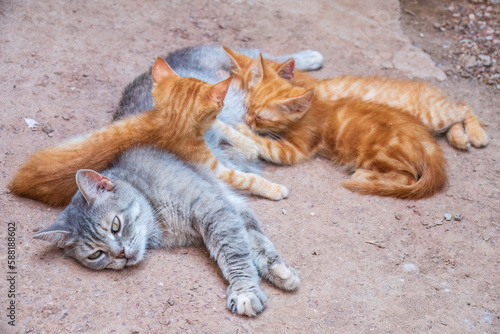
150	199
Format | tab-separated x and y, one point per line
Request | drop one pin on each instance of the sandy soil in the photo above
367	264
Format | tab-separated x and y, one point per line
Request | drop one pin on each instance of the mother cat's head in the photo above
107	224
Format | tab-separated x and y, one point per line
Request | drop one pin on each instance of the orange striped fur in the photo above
184	109
392	153
429	104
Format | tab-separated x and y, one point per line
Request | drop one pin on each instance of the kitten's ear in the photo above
297	106
238	61
57	234
162	71
286	69
218	91
92	184
258	71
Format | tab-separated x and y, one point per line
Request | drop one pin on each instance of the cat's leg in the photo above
252	183
276	151
249	182
457	137
269	263
227	244
474	128
246	146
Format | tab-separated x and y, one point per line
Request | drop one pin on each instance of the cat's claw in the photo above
250	302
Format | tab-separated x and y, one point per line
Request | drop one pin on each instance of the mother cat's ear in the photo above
58	233
162	71
92	184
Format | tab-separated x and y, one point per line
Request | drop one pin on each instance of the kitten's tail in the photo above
432	179
49	174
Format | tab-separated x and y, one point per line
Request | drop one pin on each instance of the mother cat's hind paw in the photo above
284	277
250	302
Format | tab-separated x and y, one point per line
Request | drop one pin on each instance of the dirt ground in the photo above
367	264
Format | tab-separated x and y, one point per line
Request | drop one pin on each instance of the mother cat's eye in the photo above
115	227
95	255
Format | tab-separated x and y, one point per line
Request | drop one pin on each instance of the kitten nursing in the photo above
151	199
392	153
185	108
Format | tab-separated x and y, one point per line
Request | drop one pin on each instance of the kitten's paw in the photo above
249	149
250	302
457	138
244	130
278	192
284	277
308	60
477	136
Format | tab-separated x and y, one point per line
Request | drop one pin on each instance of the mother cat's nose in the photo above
122	254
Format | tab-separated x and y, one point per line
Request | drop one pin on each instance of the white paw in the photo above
308	60
285	277
249	303
250	150
278	192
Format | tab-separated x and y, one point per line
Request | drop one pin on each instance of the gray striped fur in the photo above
163	202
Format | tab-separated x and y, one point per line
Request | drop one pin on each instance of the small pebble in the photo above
312	213
410	268
397	216
447	216
170	302
283	211
458	217
438	222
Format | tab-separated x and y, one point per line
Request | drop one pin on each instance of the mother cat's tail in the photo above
430	174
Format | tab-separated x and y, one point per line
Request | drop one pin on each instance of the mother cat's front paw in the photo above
249	302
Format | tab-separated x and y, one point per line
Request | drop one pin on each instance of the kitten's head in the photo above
243	69
191	102
107	224
272	103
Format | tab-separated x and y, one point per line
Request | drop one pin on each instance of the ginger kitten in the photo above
420	99
184	109
392	153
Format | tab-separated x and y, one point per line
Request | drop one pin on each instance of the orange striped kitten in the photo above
422	100
184	109
392	153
